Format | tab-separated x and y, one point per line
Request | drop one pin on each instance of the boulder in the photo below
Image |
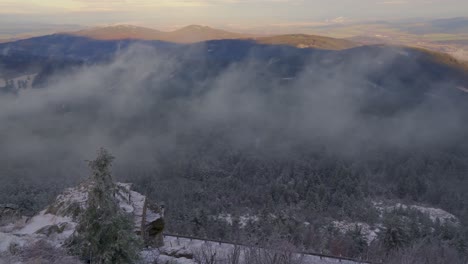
9	213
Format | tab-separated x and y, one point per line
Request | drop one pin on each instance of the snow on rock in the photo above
44	226
58	221
6	240
367	231
73	200
133	202
42	220
433	213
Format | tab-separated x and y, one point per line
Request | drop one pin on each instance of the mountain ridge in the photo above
199	33
187	34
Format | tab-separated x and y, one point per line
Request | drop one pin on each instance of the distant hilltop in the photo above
198	33
188	34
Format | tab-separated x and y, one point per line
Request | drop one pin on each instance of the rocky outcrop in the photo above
58	221
9	211
147	215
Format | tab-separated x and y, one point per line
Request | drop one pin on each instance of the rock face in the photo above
148	216
8	211
58	221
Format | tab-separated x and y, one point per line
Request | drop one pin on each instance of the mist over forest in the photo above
304	136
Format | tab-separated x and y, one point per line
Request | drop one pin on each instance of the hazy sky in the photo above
220	12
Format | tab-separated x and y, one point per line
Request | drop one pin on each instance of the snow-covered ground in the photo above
24	81
175	251
370	233
56	223
433	213
185	251
243	220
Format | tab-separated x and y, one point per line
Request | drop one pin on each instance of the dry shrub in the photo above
42	252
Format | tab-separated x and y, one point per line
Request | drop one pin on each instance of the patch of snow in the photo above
224	249
77	195
20	82
369	233
129	201
243	220
133	202
433	213
42	220
56	223
165	255
7	239
461	88
226	218
7	228
172	260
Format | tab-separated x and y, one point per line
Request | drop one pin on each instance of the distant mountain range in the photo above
188	34
59	51
196	33
29	56
457	25
419	33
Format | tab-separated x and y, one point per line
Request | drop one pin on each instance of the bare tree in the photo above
42	252
266	256
206	254
426	252
234	257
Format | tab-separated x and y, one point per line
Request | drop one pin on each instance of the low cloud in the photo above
148	107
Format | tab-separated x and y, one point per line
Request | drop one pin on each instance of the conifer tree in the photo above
394	234
105	234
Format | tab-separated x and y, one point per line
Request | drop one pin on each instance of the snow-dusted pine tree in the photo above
104	233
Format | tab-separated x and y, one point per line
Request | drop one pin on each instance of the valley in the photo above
275	137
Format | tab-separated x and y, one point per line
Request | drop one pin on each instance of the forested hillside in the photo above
255	143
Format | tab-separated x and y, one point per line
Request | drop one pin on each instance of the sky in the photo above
165	13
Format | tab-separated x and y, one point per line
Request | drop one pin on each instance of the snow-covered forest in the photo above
343	153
